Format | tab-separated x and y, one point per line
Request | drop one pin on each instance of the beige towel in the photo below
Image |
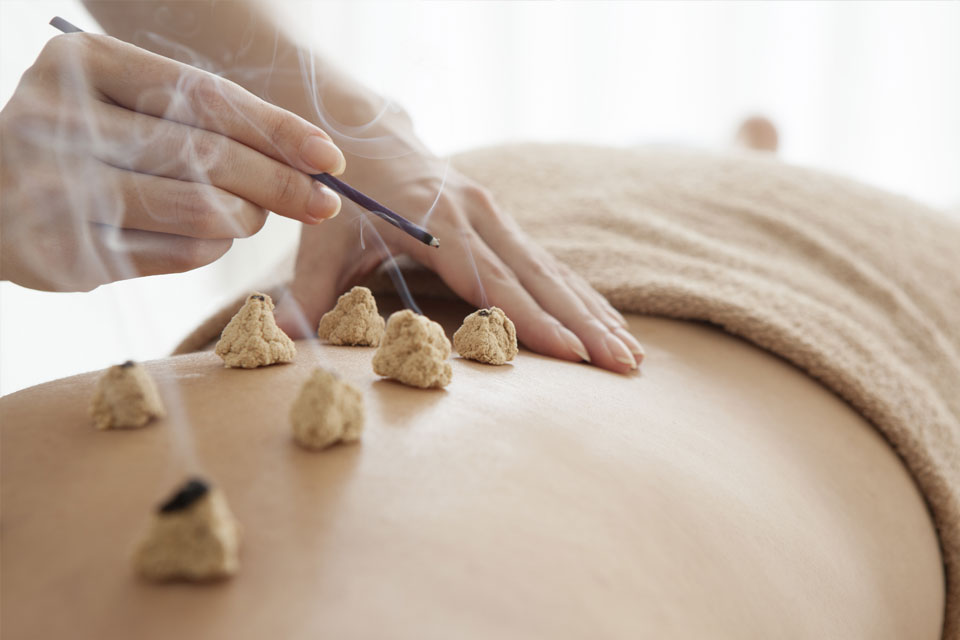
859	288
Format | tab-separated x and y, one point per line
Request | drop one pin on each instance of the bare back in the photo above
719	493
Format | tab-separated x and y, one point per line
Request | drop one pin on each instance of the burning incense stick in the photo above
378	209
368	203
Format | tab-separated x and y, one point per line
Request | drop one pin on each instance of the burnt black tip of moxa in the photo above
260	298
483	313
127	364
193	490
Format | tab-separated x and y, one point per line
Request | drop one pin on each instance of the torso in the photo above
719	493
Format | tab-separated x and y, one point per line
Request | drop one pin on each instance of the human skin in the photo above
117	162
720	493
483	256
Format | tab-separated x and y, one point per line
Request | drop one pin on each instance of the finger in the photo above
589	299
326	266
539	274
127	253
585	290
160	147
477	275
598	306
164	205
302	304
143	81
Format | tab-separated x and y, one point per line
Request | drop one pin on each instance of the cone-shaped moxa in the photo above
193	536
327	410
414	351
252	338
354	321
488	336
126	398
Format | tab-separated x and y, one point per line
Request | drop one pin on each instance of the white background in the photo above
870	90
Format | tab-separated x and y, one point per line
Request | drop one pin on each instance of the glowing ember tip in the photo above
434	242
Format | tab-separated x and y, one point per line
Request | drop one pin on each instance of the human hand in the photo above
483	256
116	162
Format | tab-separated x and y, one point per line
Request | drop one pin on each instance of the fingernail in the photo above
619	317
574	344
635	347
321	154
322	201
619	351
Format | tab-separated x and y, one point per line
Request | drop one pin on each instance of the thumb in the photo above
330	257
303	303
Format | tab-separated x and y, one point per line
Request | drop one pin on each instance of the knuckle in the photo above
483	203
446	213
204	150
481	198
193	214
285	187
568	273
541	269
478	193
206	94
277	126
495	270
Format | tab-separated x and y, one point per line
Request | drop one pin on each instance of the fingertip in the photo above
324	204
550	338
337	205
292	318
340	167
619	358
641	355
631	343
573	343
320	155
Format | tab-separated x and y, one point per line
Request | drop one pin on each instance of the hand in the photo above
484	257
116	162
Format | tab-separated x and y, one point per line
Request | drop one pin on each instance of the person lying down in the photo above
784	464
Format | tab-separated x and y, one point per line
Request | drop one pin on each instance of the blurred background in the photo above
868	90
